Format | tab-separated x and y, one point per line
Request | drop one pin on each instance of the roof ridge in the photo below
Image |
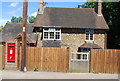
17	23
68	8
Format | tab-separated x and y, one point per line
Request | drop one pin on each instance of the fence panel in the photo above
46	59
2	56
105	61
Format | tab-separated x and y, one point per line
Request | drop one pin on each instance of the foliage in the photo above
94	72
111	12
2	69
16	20
30	19
36	69
1	28
87	5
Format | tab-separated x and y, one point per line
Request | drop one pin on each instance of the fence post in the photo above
68	60
90	61
41	58
3	56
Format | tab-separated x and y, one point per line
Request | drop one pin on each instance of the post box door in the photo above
11	52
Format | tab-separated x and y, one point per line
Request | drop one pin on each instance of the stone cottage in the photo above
77	28
80	29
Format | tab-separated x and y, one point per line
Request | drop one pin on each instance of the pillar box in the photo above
11	52
11	56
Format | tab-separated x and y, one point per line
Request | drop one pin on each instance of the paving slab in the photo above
54	75
0	75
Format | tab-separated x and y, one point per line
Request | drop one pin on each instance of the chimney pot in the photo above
99	8
41	6
41	2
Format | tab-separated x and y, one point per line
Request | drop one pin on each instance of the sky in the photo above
10	9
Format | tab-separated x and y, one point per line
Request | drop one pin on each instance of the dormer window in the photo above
51	34
89	35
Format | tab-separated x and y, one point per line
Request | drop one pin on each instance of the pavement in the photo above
54	75
0	75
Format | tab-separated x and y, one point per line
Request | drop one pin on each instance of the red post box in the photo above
11	52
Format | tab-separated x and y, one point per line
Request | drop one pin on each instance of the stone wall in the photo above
99	38
74	38
39	42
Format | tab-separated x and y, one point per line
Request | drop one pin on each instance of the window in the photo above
89	34
83	49
82	56
72	56
79	56
51	34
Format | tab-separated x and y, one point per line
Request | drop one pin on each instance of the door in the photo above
11	52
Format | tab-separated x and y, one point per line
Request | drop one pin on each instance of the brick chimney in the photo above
41	7
99	8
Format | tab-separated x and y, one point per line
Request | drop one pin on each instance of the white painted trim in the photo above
50	26
99	14
49	34
82	53
72	55
89	35
35	33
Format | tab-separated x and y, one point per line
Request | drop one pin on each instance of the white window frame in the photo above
83	49
90	32
82	53
72	56
53	30
35	33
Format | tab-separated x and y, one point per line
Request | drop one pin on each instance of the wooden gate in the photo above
46	59
80	62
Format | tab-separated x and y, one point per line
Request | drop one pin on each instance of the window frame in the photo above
52	30
81	59
72	56
89	36
83	49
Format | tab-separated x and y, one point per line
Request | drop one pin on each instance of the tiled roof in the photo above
70	18
11	30
90	45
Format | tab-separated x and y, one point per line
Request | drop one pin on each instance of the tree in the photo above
31	19
111	12
87	5
19	19
16	20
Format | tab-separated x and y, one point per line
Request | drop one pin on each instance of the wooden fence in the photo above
105	61
2	57
46	59
57	59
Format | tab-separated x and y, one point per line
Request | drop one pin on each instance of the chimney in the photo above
41	6
99	8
